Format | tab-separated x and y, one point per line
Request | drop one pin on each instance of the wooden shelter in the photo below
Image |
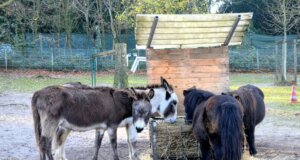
190	50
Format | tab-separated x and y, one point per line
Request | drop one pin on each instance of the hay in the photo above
173	141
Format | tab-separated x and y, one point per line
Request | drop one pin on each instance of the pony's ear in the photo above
206	95
185	92
236	96
151	93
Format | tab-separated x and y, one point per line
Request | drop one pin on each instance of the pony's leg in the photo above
217	148
59	142
251	140
205	150
98	140
131	140
112	132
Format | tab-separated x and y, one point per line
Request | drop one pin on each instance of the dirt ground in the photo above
277	137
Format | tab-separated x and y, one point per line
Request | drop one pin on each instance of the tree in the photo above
281	17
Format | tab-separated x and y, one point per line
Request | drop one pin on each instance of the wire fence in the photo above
76	59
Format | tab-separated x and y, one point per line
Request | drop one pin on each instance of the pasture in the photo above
277	137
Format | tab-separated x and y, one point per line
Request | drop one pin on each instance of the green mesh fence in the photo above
256	53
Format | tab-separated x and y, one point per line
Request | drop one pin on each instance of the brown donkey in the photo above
57	110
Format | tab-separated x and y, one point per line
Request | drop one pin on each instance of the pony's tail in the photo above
231	125
36	120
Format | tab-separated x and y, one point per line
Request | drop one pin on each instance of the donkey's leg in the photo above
58	143
43	147
98	140
131	140
112	132
251	139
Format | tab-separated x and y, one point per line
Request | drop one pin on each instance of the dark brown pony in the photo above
217	124
252	100
58	110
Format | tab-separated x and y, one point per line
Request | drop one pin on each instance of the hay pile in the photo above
173	141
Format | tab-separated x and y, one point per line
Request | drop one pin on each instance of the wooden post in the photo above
121	77
295	61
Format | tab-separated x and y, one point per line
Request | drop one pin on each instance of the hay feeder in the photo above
173	141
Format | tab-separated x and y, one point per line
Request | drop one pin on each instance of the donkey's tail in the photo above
231	125
36	119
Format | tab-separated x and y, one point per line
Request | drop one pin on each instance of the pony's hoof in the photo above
253	152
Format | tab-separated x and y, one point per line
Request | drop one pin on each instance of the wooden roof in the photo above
190	31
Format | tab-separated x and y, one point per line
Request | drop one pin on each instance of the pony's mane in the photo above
153	86
192	99
248	102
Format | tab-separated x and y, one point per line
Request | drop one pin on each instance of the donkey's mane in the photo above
153	86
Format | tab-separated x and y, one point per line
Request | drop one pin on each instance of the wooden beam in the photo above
230	34
187	41
188	45
161	36
194	17
153	27
190	30
195	24
105	53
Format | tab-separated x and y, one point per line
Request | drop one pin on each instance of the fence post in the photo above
52	60
121	77
5	54
276	64
295	61
257	59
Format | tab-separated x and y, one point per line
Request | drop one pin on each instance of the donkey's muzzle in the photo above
139	129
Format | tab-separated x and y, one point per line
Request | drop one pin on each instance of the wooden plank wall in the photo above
190	31
205	68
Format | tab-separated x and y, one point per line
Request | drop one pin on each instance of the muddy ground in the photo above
277	137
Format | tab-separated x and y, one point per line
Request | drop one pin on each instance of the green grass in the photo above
31	84
276	97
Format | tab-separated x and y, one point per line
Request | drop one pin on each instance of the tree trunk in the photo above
112	23
121	77
284	45
295	61
101	25
36	19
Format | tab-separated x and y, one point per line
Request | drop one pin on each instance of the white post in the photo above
52	60
257	59
5	60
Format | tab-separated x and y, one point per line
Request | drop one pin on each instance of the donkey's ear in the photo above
223	93
151	93
165	84
162	80
132	90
